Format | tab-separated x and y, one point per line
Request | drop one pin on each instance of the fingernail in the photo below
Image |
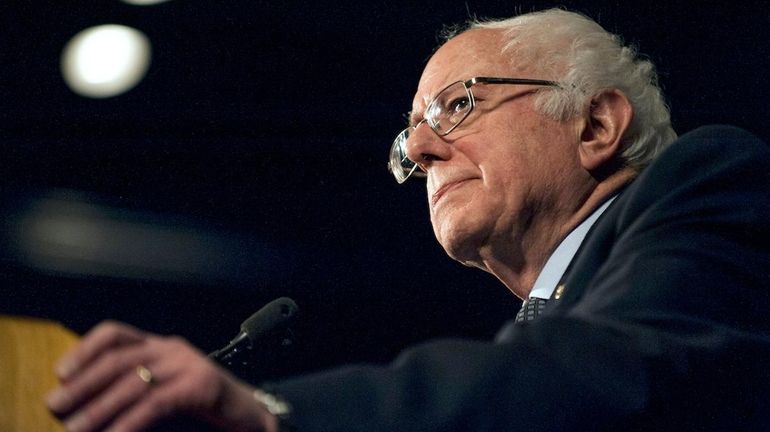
65	368
76	423
57	400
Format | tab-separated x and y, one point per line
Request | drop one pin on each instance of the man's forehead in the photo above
473	53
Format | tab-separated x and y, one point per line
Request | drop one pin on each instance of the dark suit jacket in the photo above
664	322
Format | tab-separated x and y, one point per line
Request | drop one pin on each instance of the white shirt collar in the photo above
561	257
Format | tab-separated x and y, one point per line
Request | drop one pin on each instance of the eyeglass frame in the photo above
467	84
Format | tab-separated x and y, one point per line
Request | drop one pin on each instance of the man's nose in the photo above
425	146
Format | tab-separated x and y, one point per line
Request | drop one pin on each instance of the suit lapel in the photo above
591	254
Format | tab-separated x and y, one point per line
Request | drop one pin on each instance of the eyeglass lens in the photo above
449	108
399	164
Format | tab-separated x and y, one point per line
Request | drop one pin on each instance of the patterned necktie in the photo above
530	309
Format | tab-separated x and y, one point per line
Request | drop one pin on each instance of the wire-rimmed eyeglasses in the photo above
444	113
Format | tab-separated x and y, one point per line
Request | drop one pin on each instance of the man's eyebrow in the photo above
413	118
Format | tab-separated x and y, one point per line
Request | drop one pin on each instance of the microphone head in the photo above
274	316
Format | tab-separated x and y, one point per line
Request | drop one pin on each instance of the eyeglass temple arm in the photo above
493	80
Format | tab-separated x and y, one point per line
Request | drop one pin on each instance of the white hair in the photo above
586	59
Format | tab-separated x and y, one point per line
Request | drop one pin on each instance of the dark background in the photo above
250	164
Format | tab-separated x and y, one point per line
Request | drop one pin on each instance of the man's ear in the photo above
606	122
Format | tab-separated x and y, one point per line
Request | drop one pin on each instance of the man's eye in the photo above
458	105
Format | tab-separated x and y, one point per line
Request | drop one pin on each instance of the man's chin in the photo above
464	251
461	236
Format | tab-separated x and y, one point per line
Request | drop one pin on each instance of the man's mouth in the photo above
446	188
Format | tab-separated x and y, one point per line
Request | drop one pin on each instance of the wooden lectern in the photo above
29	349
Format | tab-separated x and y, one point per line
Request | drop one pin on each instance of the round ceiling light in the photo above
106	60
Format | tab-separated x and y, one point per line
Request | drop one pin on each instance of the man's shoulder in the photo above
713	144
704	160
717	132
710	187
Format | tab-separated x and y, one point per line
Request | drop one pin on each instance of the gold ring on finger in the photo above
144	374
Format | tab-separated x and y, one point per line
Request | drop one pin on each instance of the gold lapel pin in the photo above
559	291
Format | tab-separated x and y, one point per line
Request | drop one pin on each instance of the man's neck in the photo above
519	269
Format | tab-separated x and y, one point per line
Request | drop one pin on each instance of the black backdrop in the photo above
256	147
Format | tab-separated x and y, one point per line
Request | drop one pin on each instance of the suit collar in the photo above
557	263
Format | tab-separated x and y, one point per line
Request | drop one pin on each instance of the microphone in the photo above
274	317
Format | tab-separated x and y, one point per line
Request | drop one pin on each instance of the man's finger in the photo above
150	408
101	373
108	334
126	391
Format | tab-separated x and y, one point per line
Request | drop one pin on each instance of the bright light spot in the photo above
106	60
144	2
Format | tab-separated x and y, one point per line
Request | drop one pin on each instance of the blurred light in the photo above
106	60
144	2
68	232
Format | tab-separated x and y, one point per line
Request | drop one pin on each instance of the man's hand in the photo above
120	378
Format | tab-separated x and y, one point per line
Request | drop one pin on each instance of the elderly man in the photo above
550	163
